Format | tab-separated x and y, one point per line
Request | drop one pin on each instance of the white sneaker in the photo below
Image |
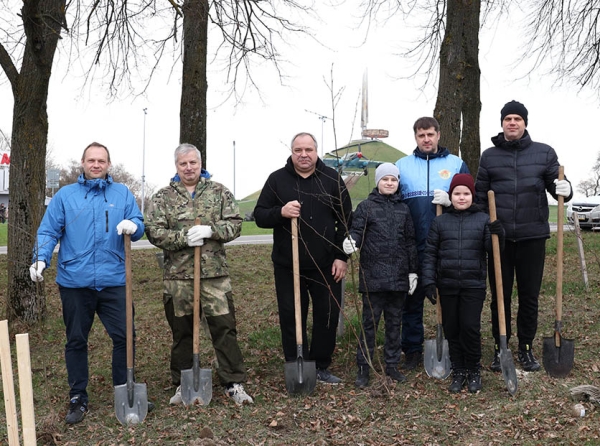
176	399
237	393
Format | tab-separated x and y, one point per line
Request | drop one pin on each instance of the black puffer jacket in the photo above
455	254
383	230
519	172
325	215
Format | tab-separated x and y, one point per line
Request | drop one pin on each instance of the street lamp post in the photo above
144	162
233	169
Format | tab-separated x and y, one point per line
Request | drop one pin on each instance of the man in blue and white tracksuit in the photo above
88	218
425	178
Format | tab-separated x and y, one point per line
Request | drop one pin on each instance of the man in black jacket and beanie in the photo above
315	194
520	171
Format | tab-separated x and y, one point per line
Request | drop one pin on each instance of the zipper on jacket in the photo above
106	212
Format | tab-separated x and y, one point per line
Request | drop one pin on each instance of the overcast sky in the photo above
262	129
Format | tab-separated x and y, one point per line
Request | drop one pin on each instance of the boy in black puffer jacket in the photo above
382	228
455	263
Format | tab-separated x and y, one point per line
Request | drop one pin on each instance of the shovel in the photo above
300	375
436	354
131	399
196	383
558	352
507	364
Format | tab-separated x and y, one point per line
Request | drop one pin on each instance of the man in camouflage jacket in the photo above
172	227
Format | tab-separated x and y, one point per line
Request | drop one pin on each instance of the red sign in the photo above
5	159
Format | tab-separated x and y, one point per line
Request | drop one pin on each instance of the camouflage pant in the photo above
224	338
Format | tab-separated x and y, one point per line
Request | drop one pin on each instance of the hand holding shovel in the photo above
436	353
507	364
196	383
558	352
131	399
300	375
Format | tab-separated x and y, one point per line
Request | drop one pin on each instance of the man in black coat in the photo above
315	194
520	171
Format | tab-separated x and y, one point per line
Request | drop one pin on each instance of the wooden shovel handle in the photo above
559	258
197	272
296	273
497	267
128	301
438	304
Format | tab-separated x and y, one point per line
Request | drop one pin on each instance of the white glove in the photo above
349	245
36	270
126	227
441	197
412	283
563	187
198	233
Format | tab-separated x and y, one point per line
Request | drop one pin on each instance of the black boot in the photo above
474	380
362	377
393	373
459	378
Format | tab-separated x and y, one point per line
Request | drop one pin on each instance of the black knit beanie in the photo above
513	108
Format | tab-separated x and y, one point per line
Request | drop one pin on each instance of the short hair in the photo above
185	148
297	135
426	122
95	144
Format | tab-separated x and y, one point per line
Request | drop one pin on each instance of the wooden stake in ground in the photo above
12	423
26	389
580	249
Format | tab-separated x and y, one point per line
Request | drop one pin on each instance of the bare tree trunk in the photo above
458	99
192	114
42	23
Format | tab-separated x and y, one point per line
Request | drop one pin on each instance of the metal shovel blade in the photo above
558	360
131	401
196	385
437	366
300	376
507	365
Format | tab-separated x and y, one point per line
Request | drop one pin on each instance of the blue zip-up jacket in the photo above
420	175
83	217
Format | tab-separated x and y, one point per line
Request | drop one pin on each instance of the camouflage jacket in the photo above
172	212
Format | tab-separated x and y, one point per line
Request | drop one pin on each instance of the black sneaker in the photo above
77	410
393	373
459	379
362	377
526	358
325	376
474	381
412	360
495	366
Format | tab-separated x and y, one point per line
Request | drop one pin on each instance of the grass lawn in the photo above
420	411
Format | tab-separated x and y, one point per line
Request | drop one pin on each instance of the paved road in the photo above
243	240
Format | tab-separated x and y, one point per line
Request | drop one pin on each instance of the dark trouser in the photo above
79	307
326	299
461	318
412	321
224	340
374	304
526	260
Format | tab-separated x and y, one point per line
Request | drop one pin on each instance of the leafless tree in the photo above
591	186
449	44
564	40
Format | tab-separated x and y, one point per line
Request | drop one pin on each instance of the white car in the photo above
588	211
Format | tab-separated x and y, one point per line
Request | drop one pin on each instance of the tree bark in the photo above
192	113
458	105
42	22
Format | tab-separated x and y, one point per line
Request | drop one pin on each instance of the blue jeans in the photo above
79	307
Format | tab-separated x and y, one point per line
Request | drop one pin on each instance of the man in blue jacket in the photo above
425	178
88	218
